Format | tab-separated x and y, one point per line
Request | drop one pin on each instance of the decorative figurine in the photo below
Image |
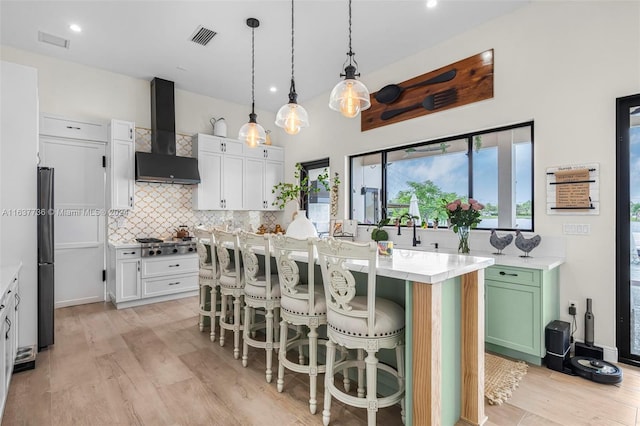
527	244
500	242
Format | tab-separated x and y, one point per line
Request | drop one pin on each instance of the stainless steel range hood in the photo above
162	165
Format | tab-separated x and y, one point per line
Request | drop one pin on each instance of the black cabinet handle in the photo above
6	335
511	275
17	301
126	252
73	128
176	283
173	266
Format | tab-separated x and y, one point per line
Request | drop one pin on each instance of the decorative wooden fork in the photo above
431	102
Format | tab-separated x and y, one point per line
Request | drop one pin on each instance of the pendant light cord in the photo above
253	71
292	38
350	51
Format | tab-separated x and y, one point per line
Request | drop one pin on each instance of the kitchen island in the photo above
444	309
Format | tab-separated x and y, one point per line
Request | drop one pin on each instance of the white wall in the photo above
19	141
561	64
77	91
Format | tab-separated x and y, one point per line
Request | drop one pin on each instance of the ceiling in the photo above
145	39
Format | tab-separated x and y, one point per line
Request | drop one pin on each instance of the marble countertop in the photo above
124	244
414	265
544	263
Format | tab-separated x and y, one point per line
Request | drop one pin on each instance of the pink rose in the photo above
477	206
452	207
472	201
465	206
457	202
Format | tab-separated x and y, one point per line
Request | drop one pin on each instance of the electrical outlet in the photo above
573	307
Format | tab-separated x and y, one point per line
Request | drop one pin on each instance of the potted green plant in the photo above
300	190
379	234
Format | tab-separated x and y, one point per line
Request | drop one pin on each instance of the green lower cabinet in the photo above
519	303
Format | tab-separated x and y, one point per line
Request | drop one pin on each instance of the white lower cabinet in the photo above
9	304
134	280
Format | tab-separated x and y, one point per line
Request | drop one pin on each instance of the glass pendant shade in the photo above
252	133
349	97
292	117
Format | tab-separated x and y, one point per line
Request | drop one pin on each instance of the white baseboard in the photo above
156	299
75	302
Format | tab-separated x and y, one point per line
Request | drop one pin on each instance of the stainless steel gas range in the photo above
157	247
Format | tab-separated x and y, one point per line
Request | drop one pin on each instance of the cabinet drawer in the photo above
130	253
175	284
170	265
64	128
513	275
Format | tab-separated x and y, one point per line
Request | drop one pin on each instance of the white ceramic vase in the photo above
301	227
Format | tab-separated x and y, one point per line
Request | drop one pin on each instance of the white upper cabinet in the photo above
121	164
221	167
264	168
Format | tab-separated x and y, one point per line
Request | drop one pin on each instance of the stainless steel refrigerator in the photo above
45	257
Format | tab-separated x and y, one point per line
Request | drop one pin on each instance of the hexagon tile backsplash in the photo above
160	208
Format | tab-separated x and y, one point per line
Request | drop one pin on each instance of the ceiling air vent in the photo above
55	40
202	35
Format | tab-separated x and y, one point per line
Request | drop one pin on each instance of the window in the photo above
494	166
318	204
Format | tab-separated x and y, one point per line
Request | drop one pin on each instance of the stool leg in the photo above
300	348
372	396
269	343
236	327
245	334
202	305
345	372
313	368
212	312
361	392
223	316
282	355
328	379
401	380
253	321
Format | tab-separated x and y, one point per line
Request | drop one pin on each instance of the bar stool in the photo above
231	286
261	291
301	304
208	279
363	322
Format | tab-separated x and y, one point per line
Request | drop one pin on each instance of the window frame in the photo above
469	138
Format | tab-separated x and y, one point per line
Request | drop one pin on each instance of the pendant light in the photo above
350	96
292	117
252	133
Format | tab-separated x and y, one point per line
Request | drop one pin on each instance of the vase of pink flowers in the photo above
463	216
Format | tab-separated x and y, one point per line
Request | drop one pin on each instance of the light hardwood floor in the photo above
151	365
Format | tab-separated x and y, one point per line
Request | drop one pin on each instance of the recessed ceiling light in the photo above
273	89
432	3
75	28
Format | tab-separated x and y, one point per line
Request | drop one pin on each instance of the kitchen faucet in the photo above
416	240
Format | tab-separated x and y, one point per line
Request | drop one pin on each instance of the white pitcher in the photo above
219	127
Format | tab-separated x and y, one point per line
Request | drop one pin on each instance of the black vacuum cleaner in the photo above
588	360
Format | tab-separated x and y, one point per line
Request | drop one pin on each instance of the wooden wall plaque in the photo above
466	81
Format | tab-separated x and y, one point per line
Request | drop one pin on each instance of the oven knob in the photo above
190	248
151	252
158	251
175	250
